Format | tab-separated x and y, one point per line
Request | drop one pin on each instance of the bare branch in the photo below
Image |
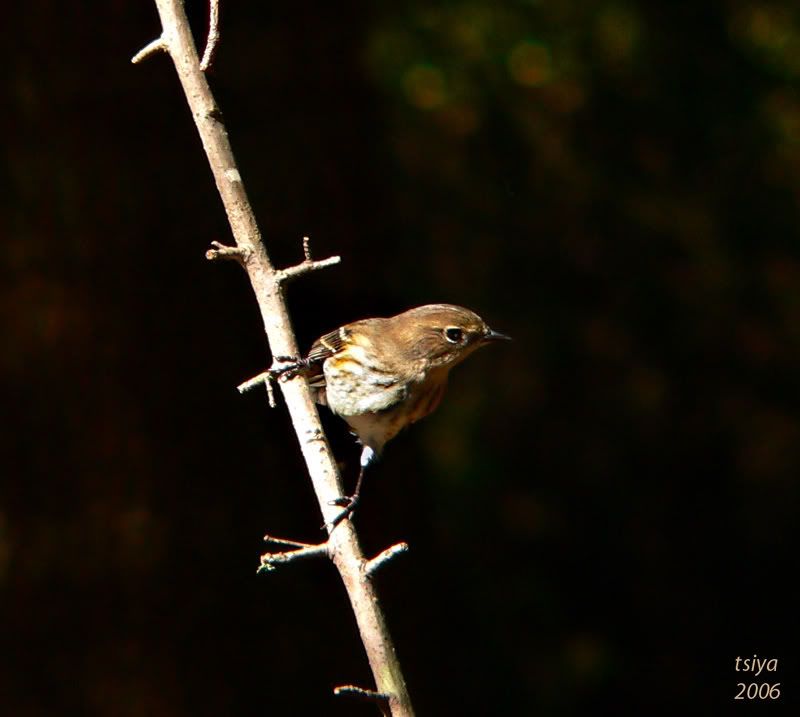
372	566
307	265
342	546
213	35
269	561
157	45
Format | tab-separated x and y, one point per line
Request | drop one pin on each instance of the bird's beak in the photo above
495	336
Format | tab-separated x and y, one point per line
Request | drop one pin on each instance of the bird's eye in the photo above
454	335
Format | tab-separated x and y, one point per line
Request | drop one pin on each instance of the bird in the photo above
383	374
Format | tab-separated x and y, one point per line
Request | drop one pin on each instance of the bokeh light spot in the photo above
425	87
529	64
617	33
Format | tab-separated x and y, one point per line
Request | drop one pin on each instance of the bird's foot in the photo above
285	368
349	503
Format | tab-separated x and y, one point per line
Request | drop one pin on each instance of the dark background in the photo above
602	515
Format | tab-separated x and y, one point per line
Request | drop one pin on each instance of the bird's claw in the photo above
349	503
285	368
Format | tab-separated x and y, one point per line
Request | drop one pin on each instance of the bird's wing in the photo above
326	346
380	393
322	349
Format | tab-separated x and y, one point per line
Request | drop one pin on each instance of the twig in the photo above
264	377
213	35
372	566
220	251
342	545
251	383
269	561
380	699
288	543
307	265
157	45
356	691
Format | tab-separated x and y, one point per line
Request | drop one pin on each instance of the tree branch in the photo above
213	35
342	545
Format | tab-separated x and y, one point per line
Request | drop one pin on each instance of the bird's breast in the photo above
354	385
377	404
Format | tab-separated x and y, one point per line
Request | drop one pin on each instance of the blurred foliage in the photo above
603	514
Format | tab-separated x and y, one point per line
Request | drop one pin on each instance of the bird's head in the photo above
442	334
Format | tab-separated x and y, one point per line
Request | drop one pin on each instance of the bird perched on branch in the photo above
381	375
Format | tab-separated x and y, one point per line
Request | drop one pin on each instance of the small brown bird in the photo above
381	375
